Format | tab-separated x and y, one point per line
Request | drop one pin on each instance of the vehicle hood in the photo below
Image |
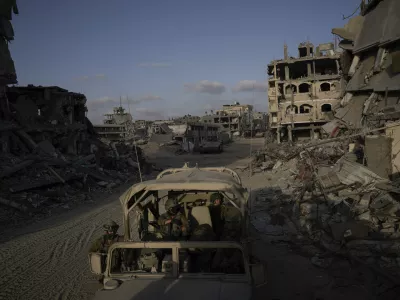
176	289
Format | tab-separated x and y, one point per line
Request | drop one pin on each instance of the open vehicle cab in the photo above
177	270
193	264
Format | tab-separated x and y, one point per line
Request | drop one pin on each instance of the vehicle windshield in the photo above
202	215
191	261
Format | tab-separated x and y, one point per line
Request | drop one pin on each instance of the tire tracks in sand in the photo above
52	263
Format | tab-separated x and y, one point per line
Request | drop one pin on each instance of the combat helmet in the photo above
216	196
170	204
111	226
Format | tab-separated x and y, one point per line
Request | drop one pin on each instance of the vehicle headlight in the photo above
111	284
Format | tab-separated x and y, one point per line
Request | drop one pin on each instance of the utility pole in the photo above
129	104
251	136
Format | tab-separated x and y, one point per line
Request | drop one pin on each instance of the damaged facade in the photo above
371	71
234	118
7	68
303	91
341	195
187	136
117	126
50	153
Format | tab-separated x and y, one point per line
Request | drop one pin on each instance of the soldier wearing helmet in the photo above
110	236
173	222
217	212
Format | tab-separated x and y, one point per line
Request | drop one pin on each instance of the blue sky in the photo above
169	57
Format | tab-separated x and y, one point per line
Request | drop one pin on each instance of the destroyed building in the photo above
48	113
186	119
371	71
117	126
7	68
303	90
343	192
50	154
234	118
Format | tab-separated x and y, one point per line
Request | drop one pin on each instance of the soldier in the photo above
173	222
217	212
110	236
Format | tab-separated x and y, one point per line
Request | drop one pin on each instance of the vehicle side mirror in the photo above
258	274
97	262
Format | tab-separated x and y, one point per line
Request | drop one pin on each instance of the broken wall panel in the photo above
392	27
373	27
378	152
357	82
393	132
388	78
351	114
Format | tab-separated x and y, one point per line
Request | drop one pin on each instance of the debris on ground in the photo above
55	158
325	196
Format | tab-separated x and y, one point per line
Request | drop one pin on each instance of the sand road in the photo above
48	260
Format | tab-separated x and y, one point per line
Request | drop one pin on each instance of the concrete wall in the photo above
394	134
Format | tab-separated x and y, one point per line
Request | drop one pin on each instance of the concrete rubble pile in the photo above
50	155
326	198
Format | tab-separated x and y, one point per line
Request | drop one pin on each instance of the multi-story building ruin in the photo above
116	126
50	114
234	118
303	90
371	74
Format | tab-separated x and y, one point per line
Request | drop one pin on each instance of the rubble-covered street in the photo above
48	259
321	166
315	248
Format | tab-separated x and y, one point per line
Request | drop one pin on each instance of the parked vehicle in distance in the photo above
211	145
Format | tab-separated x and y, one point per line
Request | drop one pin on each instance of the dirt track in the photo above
48	260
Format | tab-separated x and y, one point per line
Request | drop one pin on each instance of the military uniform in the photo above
217	214
103	243
226	219
174	226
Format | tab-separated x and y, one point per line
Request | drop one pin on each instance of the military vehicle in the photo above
151	266
211	144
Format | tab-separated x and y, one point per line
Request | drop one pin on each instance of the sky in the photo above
166	58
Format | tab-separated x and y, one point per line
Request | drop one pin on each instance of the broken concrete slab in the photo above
39	184
11	170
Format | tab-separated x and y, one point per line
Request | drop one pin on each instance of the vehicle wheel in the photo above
219	149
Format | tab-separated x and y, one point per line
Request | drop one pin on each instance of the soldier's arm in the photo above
223	212
185	225
163	220
96	246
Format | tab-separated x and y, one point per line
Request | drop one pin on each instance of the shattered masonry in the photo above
371	72
237	119
117	126
50	154
342	195
303	91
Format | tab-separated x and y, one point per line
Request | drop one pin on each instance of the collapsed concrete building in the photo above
234	118
371	70
303	90
8	74
117	126
50	154
343	192
48	113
